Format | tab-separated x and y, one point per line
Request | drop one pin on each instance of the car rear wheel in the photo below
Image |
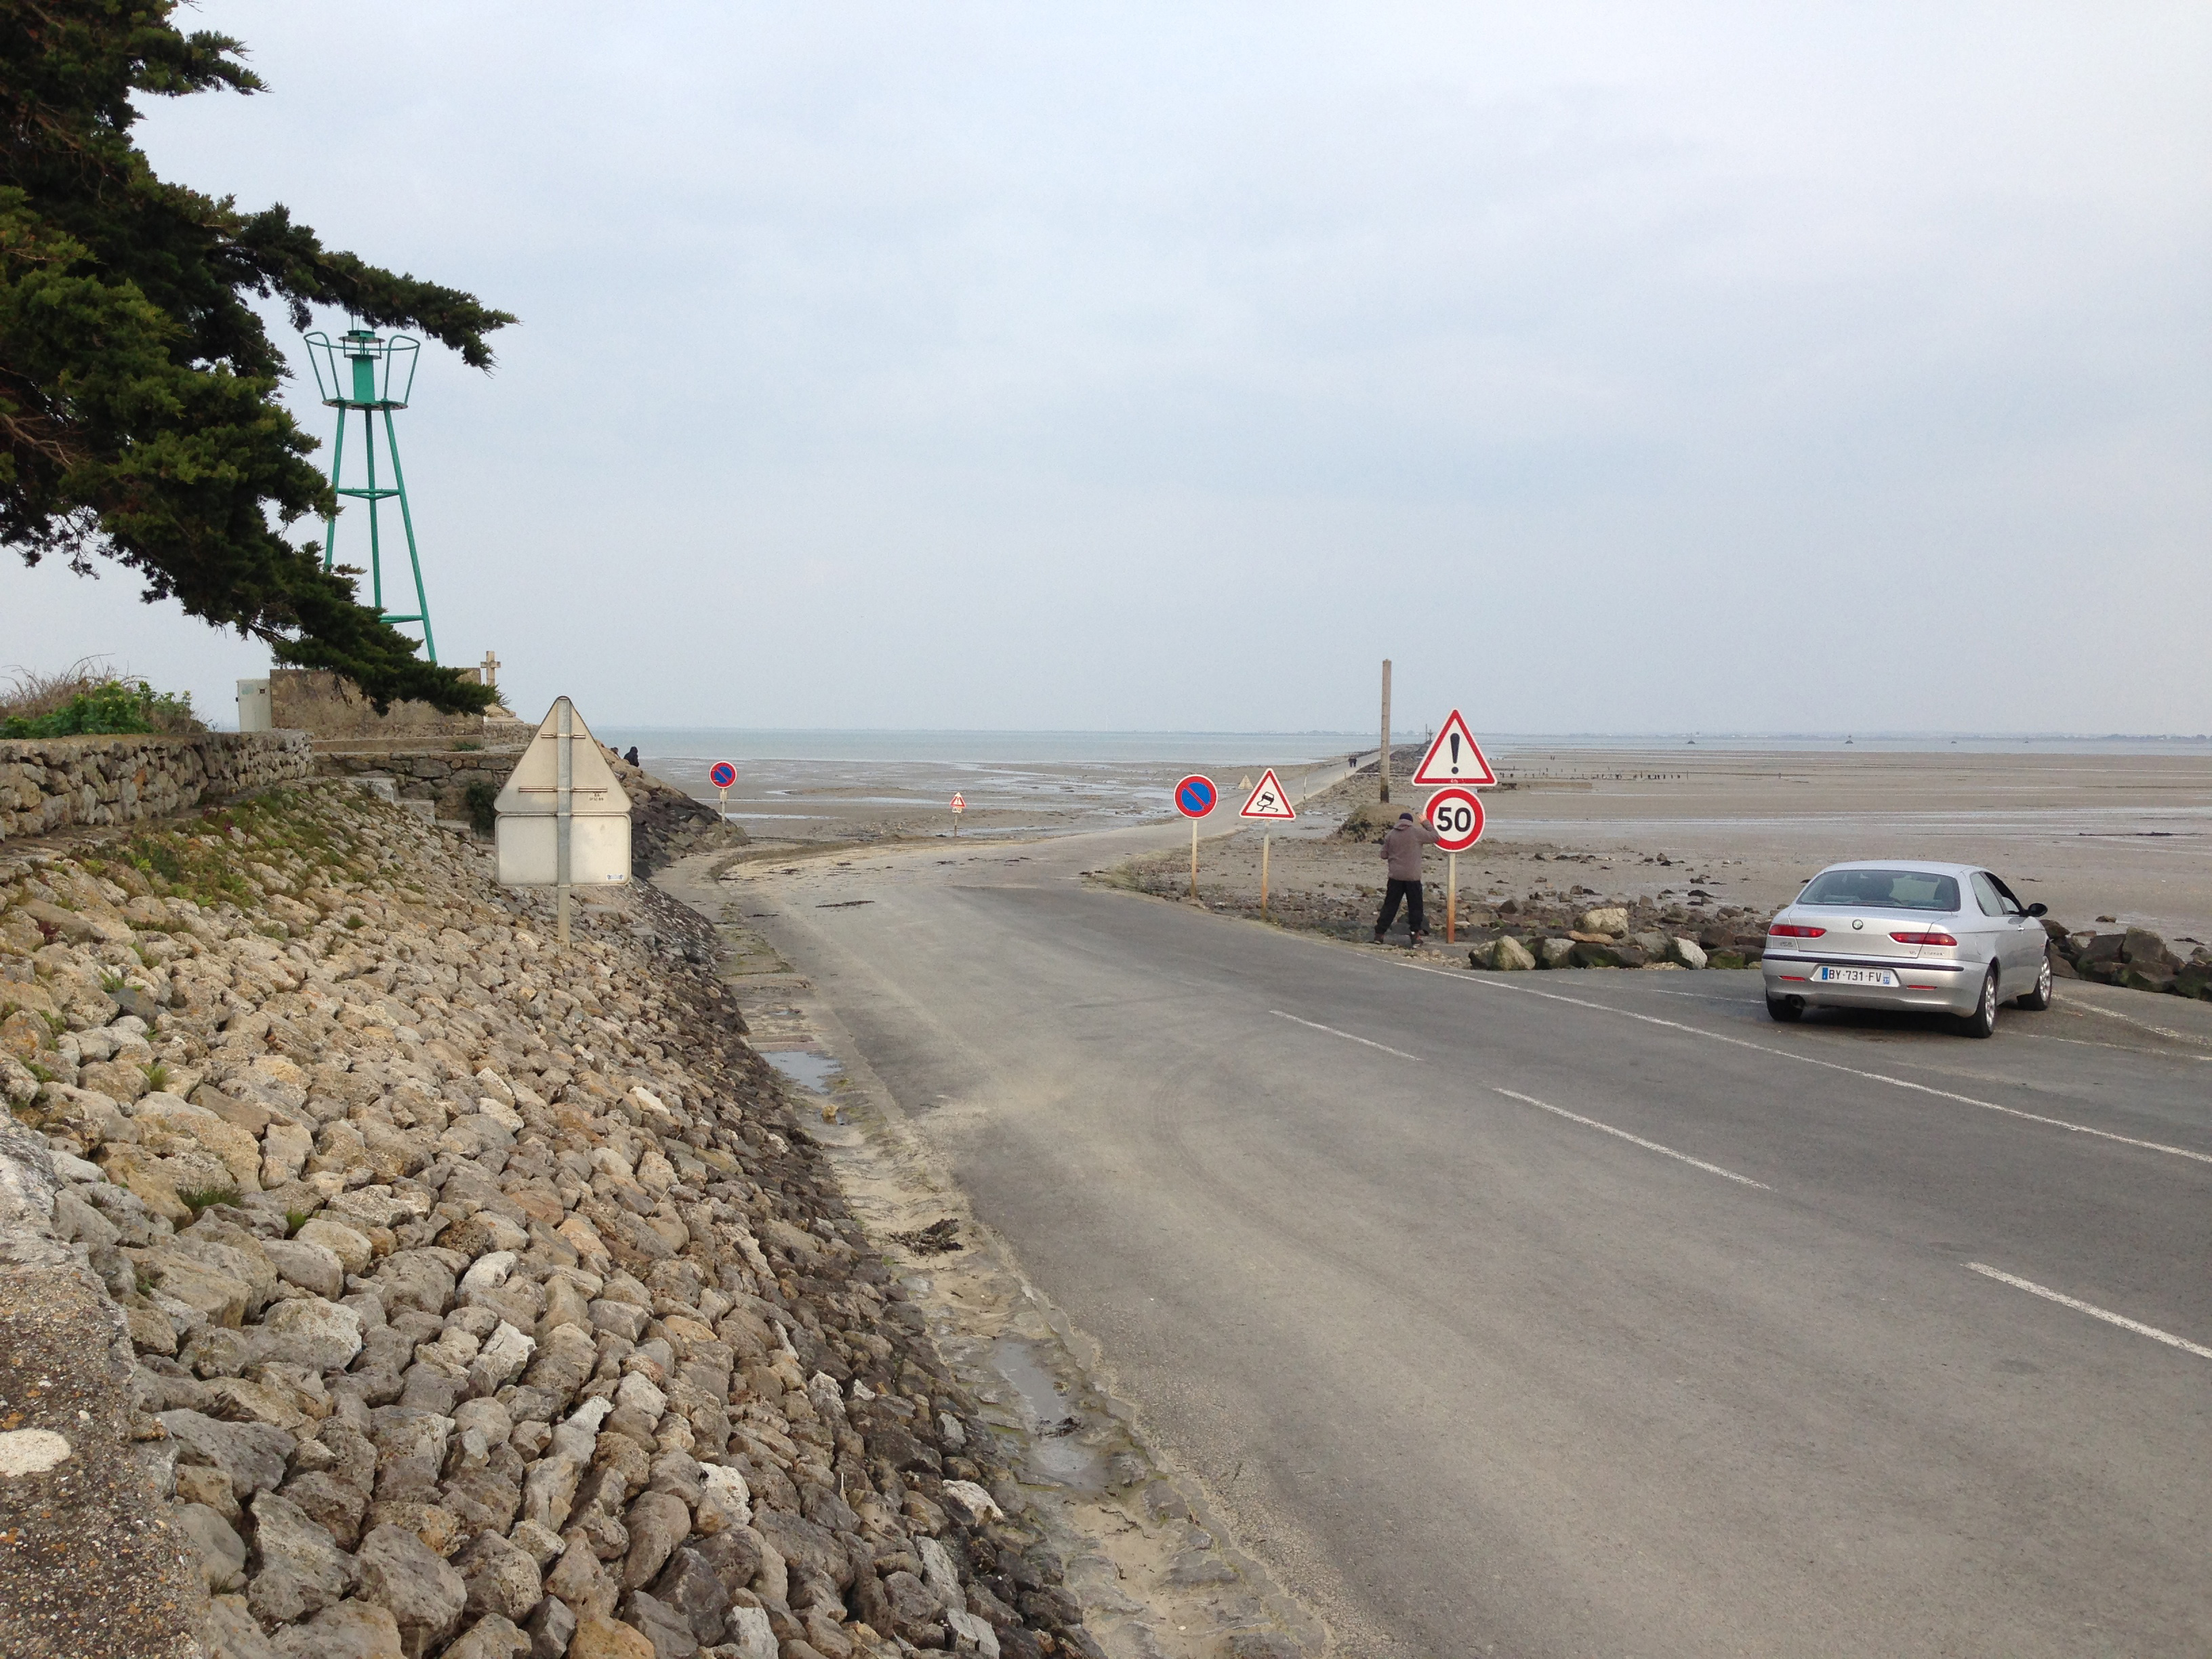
1785	1009
1982	1022
2039	999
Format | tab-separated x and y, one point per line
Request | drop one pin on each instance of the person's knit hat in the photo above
1405	818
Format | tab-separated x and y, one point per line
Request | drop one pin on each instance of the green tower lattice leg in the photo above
373	496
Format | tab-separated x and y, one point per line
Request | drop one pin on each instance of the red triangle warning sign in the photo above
1455	756
1268	800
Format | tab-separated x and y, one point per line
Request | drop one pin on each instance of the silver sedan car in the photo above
1940	938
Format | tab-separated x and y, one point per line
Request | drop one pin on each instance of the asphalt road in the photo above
1579	1313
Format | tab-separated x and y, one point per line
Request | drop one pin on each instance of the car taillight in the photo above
1790	930
1924	938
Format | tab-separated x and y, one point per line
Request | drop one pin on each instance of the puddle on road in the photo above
1054	1446
810	1071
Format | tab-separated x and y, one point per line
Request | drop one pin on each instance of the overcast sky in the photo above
1621	368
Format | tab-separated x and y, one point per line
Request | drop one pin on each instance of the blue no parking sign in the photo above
1194	796
722	775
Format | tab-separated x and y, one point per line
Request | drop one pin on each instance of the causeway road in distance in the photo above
1578	1313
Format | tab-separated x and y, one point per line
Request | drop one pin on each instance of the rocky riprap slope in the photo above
486	1301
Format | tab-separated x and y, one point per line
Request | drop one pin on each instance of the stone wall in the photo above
331	706
440	773
52	783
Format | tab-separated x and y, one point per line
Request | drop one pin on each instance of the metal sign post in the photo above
564	811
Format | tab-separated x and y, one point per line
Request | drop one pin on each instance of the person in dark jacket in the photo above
1402	857
632	757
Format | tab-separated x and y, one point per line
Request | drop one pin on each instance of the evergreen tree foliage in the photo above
138	417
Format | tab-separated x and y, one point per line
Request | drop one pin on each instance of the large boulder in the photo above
1611	920
313	1268
348	1244
252	1455
222	1554
1506	954
324	1336
299	1568
400	1572
351	1630
501	1578
658	1523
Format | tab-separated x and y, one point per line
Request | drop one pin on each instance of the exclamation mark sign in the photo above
1454	737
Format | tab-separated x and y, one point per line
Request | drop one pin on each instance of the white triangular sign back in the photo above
534	785
1267	800
1455	756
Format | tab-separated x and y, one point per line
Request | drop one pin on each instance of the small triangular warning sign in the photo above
1268	800
1455	756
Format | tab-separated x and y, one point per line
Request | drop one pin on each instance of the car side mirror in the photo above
2038	909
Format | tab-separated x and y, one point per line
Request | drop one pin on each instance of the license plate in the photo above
1854	976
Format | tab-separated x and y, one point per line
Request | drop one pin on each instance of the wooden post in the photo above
1266	836
1386	729
1194	858
1451	894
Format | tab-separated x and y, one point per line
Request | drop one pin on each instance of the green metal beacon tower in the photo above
362	370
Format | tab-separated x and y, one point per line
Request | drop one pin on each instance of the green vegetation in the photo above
200	1199
139	420
483	813
157	1075
79	703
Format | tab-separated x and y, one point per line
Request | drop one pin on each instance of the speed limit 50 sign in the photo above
1456	815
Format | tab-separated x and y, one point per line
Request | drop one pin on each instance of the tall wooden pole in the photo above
1266	838
1386	728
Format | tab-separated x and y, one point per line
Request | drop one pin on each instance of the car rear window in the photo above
1883	890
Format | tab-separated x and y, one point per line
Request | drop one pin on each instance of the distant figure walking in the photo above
632	757
1402	857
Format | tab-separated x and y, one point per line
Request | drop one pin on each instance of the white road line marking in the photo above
2092	1311
1491	984
1648	1146
2124	1047
1347	1036
2078	1006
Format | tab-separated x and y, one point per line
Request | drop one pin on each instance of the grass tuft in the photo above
201	1200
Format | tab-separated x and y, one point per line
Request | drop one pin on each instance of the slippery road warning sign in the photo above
1455	756
1268	800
